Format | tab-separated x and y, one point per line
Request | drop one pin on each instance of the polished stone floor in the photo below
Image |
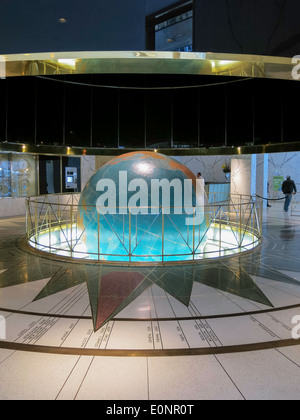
217	330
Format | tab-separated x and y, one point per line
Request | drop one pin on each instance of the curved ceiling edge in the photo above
141	62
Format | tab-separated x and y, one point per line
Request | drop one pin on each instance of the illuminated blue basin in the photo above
143	206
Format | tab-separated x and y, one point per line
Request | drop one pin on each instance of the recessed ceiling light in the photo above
62	20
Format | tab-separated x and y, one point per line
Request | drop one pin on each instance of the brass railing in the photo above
233	225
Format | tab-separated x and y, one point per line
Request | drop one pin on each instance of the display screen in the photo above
69	179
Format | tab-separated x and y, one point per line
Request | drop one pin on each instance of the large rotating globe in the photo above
143	206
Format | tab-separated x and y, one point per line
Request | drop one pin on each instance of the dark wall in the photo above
91	25
237	26
38	111
152	6
265	27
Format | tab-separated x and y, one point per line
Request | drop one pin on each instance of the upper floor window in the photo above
171	29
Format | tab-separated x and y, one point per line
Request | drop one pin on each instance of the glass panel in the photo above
185	118
239	113
290	110
23	175
2	109
21	109
267	111
5	175
132	118
212	115
159	118
78	111
50	102
105	112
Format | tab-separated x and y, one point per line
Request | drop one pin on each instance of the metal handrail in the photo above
241	215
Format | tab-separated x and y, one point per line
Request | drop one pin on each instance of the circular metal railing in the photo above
233	226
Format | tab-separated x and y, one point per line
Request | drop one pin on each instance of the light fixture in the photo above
226	62
68	62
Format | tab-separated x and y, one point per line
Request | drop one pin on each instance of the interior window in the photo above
171	29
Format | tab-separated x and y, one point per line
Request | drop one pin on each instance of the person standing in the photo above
288	189
199	176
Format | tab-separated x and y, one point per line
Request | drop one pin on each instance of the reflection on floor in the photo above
218	330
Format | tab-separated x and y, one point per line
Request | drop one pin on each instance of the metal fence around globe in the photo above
233	226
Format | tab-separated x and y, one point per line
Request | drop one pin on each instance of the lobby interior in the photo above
221	321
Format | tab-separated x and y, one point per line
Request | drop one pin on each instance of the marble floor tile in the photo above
263	375
115	378
190	378
33	376
157	347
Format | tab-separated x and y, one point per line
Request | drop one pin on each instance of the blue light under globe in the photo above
143	206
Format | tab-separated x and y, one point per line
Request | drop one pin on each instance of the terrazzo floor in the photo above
221	346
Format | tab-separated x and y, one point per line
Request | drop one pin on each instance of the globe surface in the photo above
122	218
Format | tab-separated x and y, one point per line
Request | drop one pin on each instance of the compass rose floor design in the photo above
220	329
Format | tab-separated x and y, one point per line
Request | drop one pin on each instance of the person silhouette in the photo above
288	189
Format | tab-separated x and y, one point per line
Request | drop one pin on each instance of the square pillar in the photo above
249	175
243	175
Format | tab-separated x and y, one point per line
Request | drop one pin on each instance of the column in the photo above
262	170
249	175
243	175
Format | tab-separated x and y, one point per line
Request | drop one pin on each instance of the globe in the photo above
143	206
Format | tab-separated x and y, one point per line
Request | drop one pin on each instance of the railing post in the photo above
240	225
194	235
58	206
71	229
136	230
253	220
26	219
36	223
129	235
260	220
162	234
49	225
98	228
220	234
